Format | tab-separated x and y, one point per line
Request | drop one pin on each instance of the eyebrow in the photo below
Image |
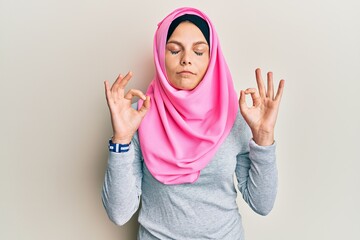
179	43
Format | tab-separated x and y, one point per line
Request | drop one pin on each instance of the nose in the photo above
185	60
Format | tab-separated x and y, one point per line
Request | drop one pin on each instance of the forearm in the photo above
258	178
121	188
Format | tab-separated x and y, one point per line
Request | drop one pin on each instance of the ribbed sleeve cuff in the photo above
122	158
262	154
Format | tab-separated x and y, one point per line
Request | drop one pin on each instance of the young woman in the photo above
179	147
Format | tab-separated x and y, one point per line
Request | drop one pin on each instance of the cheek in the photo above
170	68
169	63
167	66
203	65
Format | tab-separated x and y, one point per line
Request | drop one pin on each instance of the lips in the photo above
186	72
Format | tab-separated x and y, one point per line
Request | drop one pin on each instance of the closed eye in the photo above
199	53
174	52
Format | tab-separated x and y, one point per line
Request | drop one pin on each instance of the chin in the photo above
185	84
187	87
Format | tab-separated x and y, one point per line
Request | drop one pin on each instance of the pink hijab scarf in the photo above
183	129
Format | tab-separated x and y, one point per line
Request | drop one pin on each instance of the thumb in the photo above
242	102
145	106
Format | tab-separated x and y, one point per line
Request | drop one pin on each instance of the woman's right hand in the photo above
125	120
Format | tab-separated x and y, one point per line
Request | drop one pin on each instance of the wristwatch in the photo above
118	148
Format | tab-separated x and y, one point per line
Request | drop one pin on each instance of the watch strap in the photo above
117	147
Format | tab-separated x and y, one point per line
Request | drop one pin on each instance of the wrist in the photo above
118	148
263	138
120	140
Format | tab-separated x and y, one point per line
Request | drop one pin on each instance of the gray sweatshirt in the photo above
205	209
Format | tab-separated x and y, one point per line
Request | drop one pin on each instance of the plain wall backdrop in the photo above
55	55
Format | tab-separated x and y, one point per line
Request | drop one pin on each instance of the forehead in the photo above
187	30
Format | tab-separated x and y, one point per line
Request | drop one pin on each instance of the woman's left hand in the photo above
261	116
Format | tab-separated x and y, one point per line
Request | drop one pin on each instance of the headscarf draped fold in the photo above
183	129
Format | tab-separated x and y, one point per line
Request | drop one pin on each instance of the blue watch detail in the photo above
118	148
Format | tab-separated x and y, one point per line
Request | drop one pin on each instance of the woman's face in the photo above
186	56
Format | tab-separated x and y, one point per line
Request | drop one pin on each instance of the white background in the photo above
55	55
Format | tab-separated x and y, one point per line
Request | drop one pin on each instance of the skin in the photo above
261	116
185	69
186	57
125	120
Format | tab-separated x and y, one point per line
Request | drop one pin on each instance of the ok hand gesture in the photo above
261	116
125	120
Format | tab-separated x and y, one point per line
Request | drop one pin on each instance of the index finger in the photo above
260	83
